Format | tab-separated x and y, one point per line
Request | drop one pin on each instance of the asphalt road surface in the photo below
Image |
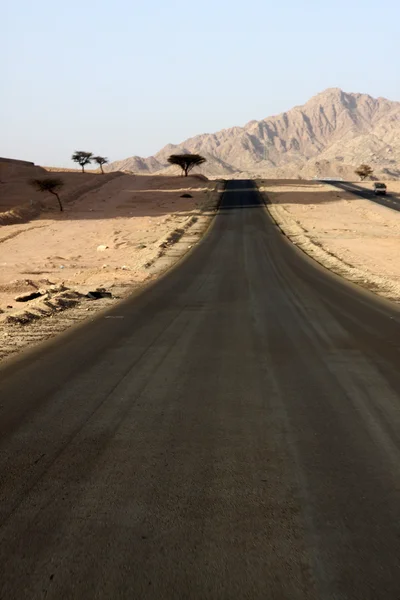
387	200
232	432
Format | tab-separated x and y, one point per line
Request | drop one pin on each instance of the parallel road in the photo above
232	432
388	200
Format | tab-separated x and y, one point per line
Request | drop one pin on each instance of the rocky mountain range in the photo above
330	135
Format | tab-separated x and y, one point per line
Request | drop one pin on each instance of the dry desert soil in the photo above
351	236
117	232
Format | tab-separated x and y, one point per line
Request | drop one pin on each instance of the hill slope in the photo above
332	132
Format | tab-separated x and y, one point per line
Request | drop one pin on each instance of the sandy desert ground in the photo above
356	238
114	236
118	231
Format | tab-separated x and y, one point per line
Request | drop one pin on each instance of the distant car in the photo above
380	189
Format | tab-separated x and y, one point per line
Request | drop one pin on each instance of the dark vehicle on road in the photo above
380	189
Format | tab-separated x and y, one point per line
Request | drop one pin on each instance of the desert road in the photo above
389	200
232	432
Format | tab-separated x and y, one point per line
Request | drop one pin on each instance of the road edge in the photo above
295	233
47	325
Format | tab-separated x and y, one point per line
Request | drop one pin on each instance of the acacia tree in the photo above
100	160
82	158
364	171
186	161
50	185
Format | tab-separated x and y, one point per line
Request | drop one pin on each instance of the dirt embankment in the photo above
21	202
112	237
357	239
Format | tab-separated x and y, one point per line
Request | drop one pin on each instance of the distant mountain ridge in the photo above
329	135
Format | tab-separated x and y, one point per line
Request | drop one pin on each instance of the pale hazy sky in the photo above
125	77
